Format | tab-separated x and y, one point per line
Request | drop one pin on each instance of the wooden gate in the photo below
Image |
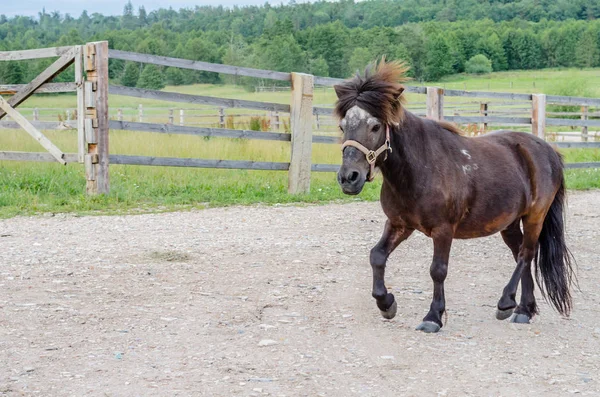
91	85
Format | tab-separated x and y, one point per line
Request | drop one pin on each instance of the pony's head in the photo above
368	106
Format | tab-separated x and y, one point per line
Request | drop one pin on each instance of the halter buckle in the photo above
371	157
389	145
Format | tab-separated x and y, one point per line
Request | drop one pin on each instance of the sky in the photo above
110	7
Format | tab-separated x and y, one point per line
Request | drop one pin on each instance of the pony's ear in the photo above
339	90
399	92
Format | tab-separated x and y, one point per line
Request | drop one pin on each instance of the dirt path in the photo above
181	304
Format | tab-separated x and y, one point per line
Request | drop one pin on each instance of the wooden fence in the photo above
93	123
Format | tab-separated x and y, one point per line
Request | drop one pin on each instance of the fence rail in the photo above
91	118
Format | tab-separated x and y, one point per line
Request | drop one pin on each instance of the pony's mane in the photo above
451	127
378	93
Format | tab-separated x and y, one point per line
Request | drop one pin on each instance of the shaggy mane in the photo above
378	93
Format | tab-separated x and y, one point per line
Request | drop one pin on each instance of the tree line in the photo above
435	37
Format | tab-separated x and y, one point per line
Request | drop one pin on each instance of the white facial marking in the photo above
371	121
466	153
355	115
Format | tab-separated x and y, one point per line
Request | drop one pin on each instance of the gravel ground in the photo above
276	301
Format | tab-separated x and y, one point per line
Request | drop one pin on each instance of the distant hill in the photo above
436	37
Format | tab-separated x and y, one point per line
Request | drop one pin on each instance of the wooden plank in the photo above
331	81
198	65
416	90
51	71
488	119
321	111
33	54
573	122
38	136
582	165
41	125
96	61
335	140
487	94
325	167
48	88
301	124
327	81
198	131
198	163
577	145
79	83
197	99
435	103
43	157
571	100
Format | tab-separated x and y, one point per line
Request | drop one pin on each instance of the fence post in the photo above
301	113
538	115
79	82
584	129
483	111
181	120
276	121
435	103
96	118
141	113
222	117
36	114
120	114
171	116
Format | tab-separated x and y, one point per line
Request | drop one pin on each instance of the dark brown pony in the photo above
449	186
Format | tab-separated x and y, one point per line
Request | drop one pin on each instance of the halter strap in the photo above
371	155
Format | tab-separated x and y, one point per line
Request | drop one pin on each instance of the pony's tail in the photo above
553	260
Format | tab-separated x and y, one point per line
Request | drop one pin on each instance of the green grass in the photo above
547	81
31	188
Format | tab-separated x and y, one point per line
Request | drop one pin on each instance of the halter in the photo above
370	154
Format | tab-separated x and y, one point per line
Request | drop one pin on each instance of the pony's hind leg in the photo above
513	237
532	226
527	307
391	238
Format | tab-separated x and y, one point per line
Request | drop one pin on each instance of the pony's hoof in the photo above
504	314
390	313
518	318
428	327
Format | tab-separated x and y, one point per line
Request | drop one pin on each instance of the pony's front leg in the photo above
442	241
391	238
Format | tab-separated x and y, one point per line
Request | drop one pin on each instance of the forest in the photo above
435	37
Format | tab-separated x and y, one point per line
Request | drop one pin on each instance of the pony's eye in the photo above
376	128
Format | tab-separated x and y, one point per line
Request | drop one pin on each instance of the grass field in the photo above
28	188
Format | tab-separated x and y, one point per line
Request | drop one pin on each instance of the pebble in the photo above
387	357
267	342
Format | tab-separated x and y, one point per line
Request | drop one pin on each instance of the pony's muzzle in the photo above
351	180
